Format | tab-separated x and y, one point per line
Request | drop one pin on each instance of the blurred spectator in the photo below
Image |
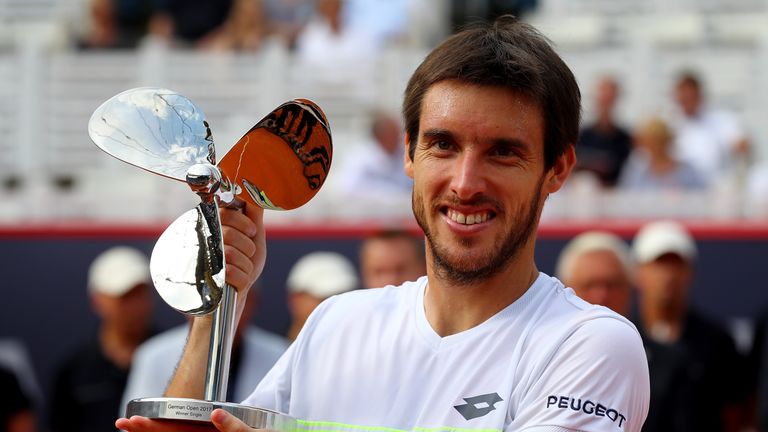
709	139
464	12
16	409
598	266
757	190
665	254
604	145
391	258
188	22
90	383
652	165
254	351
114	24
288	17
245	29
331	52
385	20
314	278
374	170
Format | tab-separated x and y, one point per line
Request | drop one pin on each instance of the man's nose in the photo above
468	177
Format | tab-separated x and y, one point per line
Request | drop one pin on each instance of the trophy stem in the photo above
220	348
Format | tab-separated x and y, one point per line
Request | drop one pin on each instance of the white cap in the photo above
117	270
659	238
588	242
322	274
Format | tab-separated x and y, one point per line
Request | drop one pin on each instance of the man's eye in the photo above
504	152
443	145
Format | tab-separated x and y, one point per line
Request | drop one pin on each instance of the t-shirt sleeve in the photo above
597	380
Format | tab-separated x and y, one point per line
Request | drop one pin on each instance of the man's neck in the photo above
452	307
662	324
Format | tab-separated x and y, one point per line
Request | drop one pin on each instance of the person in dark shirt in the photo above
89	385
665	254
604	146
16	410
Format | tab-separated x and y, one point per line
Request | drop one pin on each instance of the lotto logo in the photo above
478	406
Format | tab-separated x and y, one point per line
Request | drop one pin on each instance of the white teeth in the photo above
470	219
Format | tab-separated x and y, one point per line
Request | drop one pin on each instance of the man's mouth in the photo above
469	218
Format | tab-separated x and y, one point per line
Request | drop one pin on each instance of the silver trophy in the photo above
278	164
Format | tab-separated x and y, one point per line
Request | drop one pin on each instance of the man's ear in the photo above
407	162
562	168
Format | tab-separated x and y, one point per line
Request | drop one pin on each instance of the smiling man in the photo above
484	341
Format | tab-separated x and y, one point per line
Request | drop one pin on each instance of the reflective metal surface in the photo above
187	263
281	162
191	410
155	129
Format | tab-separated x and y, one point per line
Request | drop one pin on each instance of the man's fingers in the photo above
226	422
143	424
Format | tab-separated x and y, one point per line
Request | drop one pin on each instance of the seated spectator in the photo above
246	29
185	23
314	278
652	166
254	351
711	140
331	52
374	170
604	145
106	30
287	18
391	258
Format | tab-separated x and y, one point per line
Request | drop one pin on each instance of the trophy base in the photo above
193	410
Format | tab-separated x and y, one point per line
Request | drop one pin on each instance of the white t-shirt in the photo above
369	359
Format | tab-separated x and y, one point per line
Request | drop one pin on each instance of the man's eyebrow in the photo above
437	133
511	143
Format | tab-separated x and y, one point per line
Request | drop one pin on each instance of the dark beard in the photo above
503	252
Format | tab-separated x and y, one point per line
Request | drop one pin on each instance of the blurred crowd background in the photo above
675	127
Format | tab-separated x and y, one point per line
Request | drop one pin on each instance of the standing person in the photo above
598	266
90	383
312	279
665	254
709	139
484	341
254	352
391	258
604	145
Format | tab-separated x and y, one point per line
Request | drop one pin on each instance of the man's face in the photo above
600	278
688	98
479	179
390	261
129	313
664	282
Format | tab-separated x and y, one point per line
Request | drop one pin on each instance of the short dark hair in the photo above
507	53
689	77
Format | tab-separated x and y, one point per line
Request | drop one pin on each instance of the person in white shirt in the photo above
710	140
254	352
484	341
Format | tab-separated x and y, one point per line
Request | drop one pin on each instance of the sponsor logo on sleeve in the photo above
587	407
478	406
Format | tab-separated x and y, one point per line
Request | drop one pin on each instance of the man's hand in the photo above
245	246
222	421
